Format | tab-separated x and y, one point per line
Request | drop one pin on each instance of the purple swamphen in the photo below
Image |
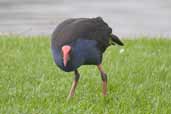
82	41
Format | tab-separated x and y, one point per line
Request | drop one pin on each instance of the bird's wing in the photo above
64	33
86	28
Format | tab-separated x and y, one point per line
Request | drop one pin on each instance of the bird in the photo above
82	41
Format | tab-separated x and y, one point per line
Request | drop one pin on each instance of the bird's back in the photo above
85	28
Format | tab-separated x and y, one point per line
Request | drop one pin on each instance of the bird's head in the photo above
66	50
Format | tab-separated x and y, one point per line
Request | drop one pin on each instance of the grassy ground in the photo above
139	79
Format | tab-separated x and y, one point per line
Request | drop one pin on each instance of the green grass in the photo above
139	79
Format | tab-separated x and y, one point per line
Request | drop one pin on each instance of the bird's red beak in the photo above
65	51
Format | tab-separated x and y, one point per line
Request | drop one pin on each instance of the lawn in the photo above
139	79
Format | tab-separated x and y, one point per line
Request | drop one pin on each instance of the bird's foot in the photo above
69	97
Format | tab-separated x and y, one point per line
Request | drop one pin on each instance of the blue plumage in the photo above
82	41
84	52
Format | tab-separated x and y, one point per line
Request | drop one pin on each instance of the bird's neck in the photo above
83	52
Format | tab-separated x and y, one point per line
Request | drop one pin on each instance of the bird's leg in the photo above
74	84
104	80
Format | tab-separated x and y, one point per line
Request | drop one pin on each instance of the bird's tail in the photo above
115	40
